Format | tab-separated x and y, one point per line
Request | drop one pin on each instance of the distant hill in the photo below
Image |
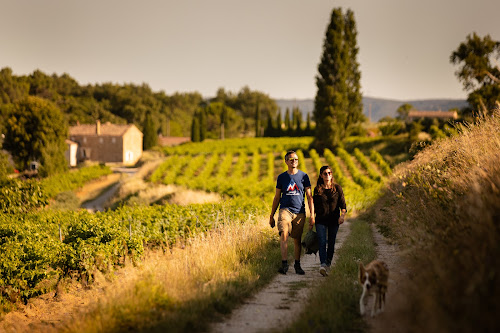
380	107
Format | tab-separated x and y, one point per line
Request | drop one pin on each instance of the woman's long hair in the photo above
320	184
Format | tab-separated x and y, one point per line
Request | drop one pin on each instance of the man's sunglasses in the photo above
293	159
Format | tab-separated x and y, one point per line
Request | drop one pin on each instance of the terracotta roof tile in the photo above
106	129
432	114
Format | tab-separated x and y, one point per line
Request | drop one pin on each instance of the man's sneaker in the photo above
299	269
322	271
283	269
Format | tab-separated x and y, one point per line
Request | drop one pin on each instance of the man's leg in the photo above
284	228
284	244
297	228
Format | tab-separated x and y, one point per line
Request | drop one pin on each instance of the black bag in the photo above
310	242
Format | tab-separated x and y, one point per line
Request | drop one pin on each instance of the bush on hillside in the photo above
445	207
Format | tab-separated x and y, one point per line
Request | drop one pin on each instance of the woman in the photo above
330	208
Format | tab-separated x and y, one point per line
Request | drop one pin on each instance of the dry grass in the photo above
445	207
186	288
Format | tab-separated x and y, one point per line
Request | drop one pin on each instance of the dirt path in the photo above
274	306
391	320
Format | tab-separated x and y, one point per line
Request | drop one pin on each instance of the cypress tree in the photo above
270	127
203	125
223	122
150	134
195	128
308	125
297	115
288	125
279	123
355	106
337	105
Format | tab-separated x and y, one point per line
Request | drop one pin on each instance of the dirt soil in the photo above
274	305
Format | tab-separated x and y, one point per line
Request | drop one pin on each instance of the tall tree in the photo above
308	124
288	122
257	121
269	131
150	132
354	97
203	124
36	130
337	105
477	72
279	124
404	110
195	128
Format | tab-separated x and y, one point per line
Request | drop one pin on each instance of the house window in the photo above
113	140
101	140
84	140
129	156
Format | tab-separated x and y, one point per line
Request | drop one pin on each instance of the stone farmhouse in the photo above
441	115
106	143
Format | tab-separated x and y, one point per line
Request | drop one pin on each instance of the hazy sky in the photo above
273	46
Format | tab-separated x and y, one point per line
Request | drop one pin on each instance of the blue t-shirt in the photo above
293	189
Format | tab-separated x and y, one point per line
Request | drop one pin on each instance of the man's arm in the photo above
276	202
311	207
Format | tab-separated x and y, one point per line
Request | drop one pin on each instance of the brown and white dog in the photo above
373	278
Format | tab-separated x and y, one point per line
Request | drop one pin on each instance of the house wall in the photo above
70	154
102	148
132	146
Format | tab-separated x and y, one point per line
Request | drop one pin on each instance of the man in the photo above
291	186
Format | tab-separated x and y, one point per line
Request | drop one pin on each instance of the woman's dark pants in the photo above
326	255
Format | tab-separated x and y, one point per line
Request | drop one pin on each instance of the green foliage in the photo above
444	208
150	133
37	131
73	180
32	251
366	164
129	103
17	196
379	160
337	105
436	133
392	127
478	72
264	145
242	171
203	124
66	200
5	166
403	111
356	174
195	129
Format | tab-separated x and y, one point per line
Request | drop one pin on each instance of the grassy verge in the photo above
443	209
334	304
190	287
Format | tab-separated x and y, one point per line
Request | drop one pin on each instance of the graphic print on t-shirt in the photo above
293	188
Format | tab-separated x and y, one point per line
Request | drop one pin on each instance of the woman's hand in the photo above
311	222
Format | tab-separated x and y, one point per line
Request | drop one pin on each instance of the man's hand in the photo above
341	219
272	223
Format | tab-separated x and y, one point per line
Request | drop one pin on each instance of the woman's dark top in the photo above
328	204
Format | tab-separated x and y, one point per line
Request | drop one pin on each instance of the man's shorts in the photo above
293	223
